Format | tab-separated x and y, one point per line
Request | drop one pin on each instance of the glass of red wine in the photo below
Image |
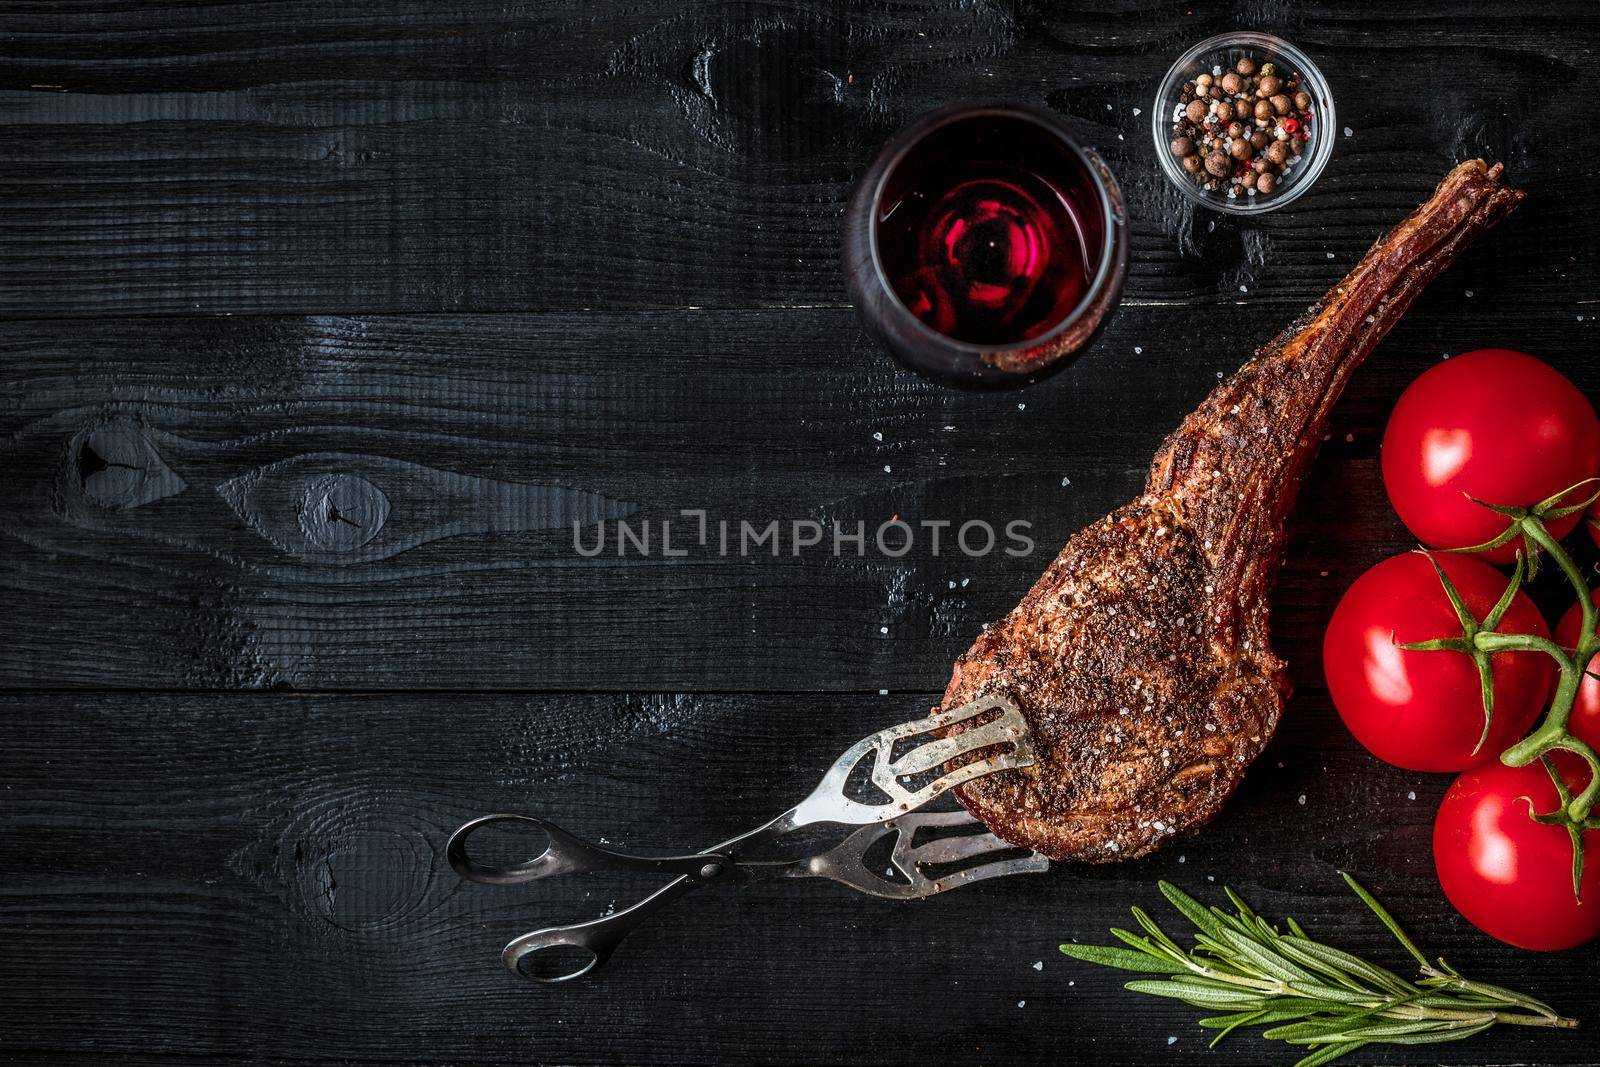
985	245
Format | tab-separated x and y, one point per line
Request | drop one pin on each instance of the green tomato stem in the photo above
1552	731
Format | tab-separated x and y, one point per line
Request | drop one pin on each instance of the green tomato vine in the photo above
1481	641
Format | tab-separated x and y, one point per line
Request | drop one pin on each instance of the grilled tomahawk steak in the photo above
1141	657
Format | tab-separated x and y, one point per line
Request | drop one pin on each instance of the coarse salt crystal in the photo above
1302	800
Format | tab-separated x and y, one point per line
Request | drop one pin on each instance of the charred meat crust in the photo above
1141	657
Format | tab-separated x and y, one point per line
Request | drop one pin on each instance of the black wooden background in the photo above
512	262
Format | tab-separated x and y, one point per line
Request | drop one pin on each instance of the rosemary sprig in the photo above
1307	993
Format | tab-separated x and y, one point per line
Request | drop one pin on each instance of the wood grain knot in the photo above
114	465
358	863
342	512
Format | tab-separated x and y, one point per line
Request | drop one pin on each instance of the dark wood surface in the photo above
516	264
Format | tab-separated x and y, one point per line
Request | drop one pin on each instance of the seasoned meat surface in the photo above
1141	658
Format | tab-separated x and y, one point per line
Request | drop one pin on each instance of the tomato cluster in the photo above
1472	444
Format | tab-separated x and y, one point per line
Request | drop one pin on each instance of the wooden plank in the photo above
260	878
477	156
178	500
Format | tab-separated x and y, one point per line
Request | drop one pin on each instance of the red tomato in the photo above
1424	710
1585	721
1494	424
1510	876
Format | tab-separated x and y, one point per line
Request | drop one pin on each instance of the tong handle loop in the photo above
594	941
566	854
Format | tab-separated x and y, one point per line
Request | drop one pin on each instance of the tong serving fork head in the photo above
1005	733
964	857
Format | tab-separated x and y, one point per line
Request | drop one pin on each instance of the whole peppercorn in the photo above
1245	66
1280	104
1218	165
1278	153
1235	129
1260	165
1302	101
1247	180
1268	85
1215	92
1182	146
1203	82
1263	110
1260	139
1232	83
1224	112
1240	149
1297	145
1192	164
1196	111
1266	183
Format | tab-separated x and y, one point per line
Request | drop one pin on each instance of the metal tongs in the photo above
908	775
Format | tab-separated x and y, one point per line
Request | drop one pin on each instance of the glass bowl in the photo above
1224	50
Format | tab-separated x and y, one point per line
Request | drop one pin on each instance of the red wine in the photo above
985	246
981	233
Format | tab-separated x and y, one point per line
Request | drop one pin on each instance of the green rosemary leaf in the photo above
1384	917
1122	959
1500	996
1142	944
1303	992
1271	1015
1276	966
1227	1024
1328	1053
1458	1033
1246	916
1341	965
1201	996
1196	912
1322	1031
